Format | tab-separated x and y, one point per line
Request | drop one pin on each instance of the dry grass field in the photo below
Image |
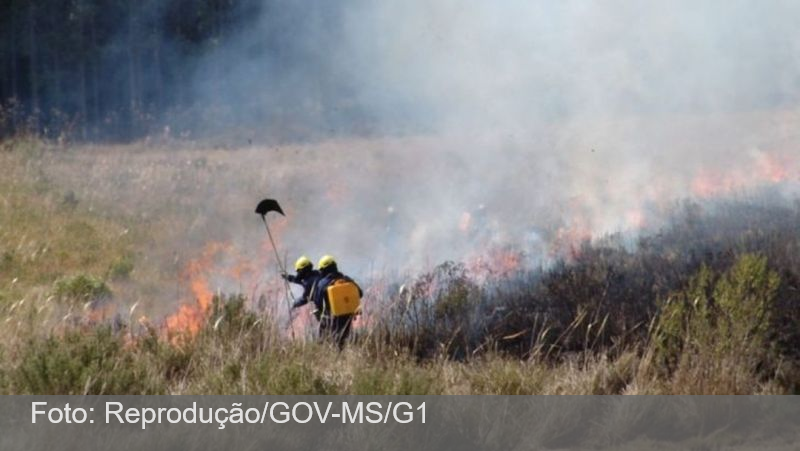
136	269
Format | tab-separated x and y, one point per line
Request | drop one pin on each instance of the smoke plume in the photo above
513	123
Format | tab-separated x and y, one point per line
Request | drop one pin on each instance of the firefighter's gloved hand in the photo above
284	276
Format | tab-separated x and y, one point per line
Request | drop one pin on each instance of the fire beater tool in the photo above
264	207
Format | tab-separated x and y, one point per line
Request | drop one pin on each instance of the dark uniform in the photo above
330	327
306	279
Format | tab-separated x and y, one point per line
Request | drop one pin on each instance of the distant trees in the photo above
104	69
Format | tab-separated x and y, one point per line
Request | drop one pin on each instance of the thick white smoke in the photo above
512	122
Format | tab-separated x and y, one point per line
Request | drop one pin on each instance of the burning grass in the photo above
99	295
721	319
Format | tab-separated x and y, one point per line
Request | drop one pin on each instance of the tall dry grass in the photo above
708	305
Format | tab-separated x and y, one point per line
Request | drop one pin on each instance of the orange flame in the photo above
568	240
497	263
774	169
766	168
494	262
222	261
189	319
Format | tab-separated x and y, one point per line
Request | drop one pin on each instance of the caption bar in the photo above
276	412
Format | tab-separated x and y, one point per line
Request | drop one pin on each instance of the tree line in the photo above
105	69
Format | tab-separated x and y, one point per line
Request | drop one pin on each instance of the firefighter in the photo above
306	276
331	327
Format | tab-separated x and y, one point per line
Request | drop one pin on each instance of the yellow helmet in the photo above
302	263
326	261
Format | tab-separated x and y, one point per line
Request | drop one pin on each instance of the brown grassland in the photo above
92	252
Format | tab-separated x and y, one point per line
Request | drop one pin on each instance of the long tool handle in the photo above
283	270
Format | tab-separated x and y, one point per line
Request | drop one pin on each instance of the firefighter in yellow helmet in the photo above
305	276
331	327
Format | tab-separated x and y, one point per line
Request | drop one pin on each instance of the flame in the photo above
377	289
190	317
774	168
227	265
496	263
710	183
764	169
568	239
495	260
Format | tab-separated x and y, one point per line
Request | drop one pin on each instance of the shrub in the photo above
81	288
439	312
176	361
229	315
684	316
81	362
746	298
720	320
121	268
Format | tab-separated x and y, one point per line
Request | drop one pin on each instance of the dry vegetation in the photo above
709	305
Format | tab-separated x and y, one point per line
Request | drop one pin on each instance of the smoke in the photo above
513	62
445	64
514	122
435	130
